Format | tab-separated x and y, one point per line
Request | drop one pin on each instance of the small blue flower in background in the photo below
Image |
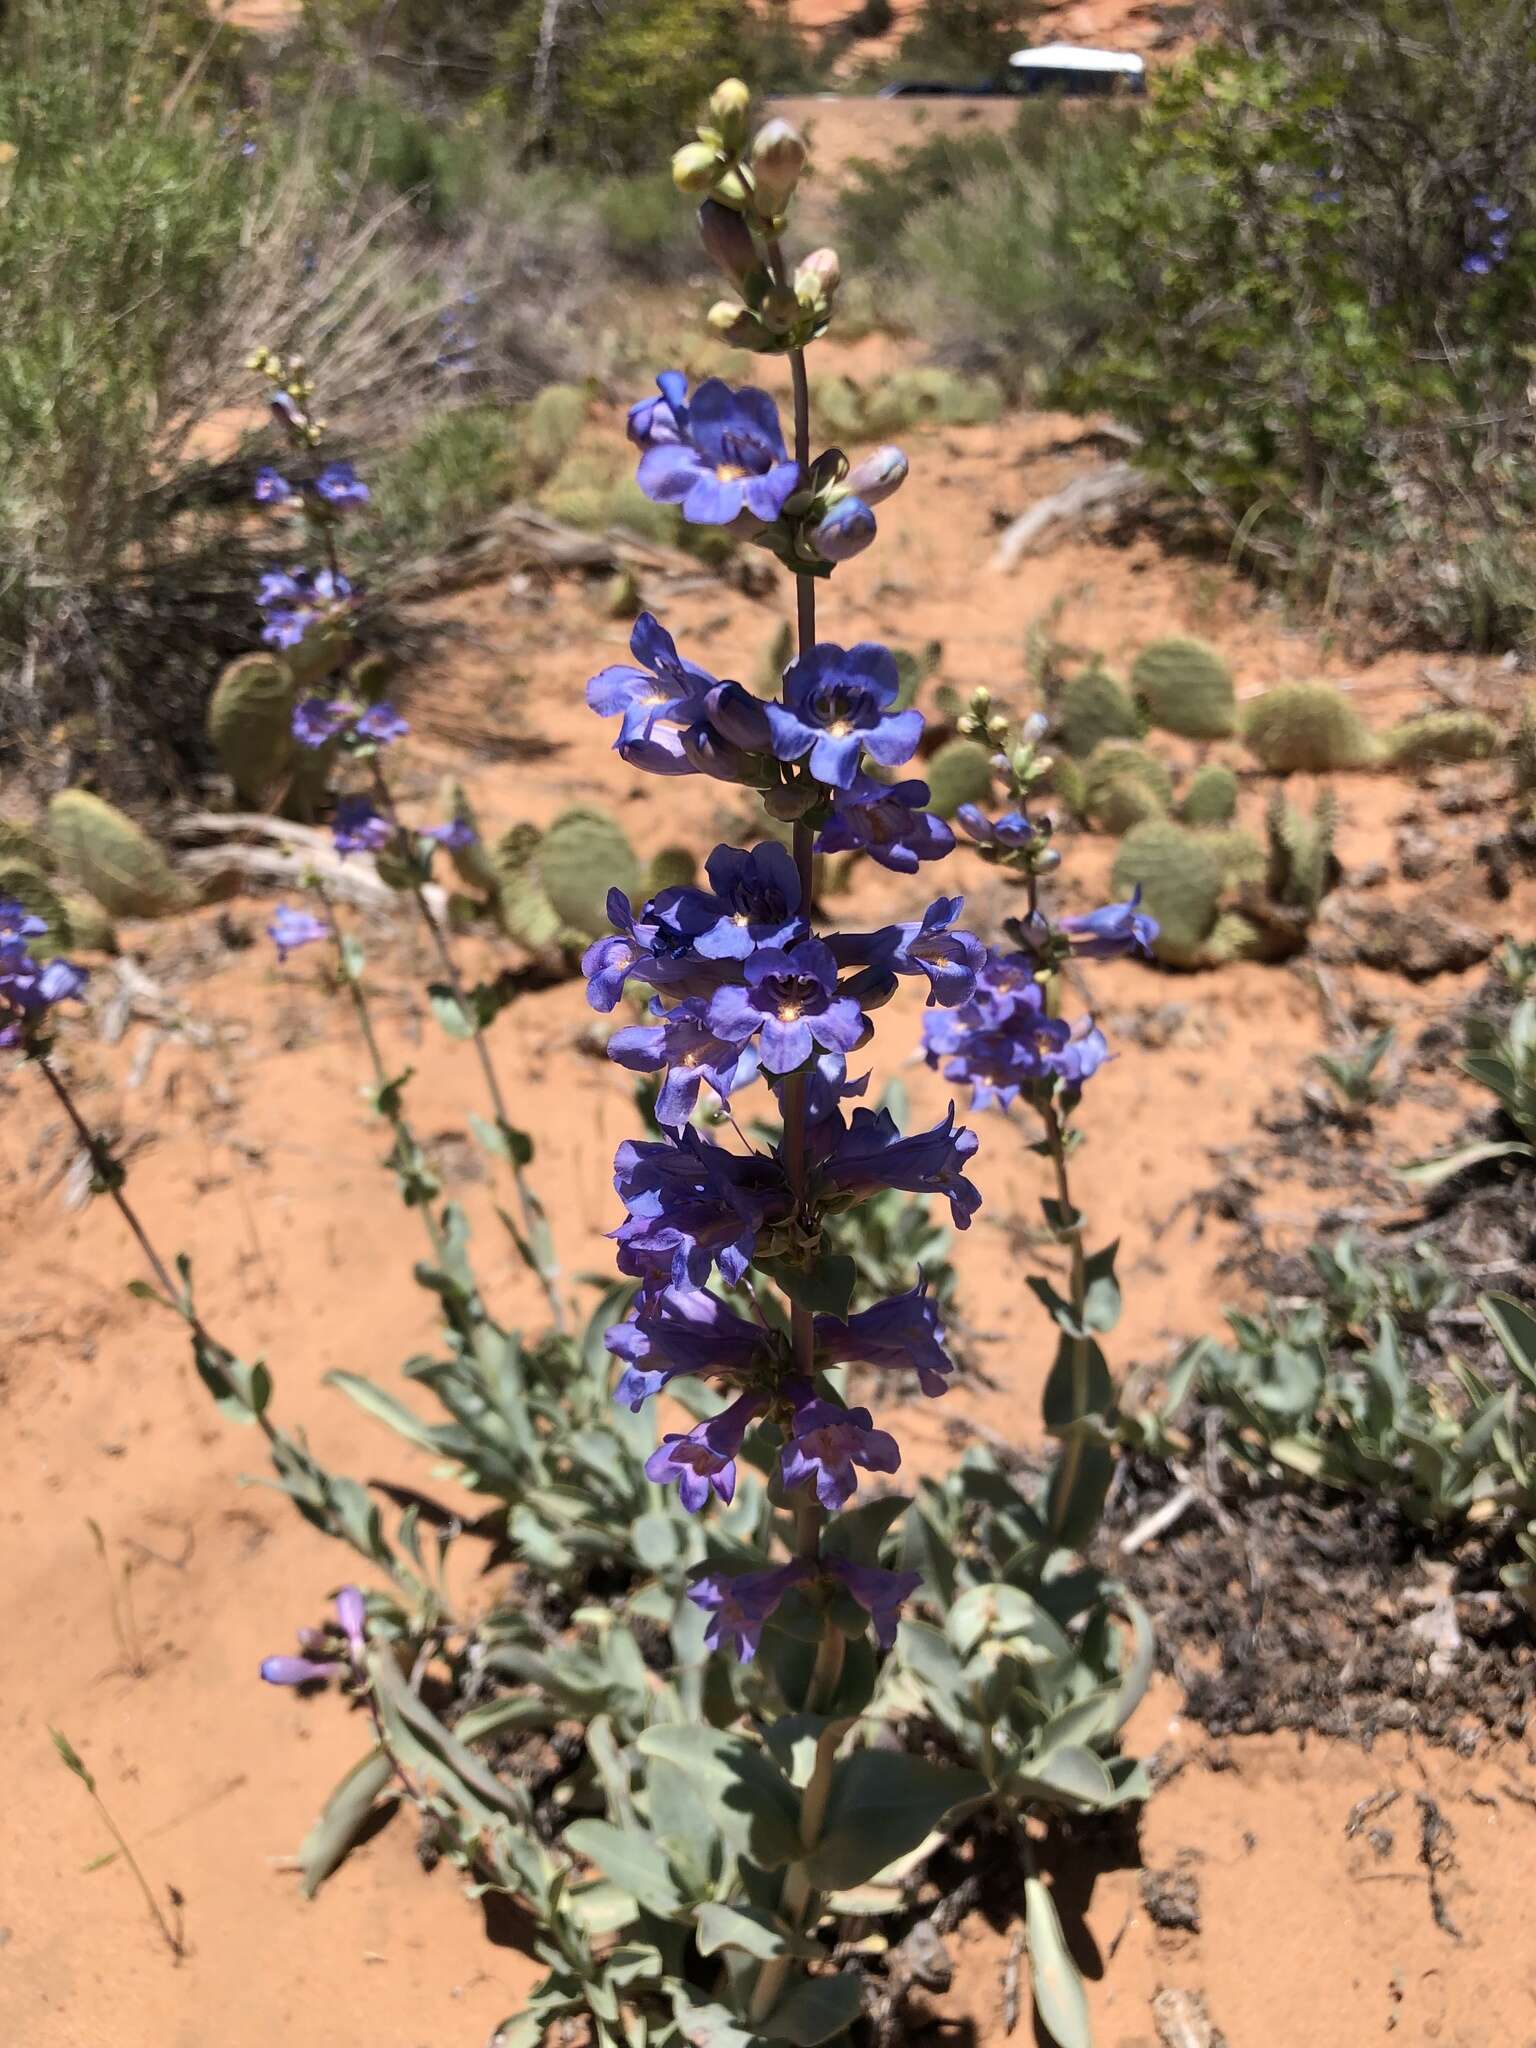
381	724
290	929
317	720
358	828
788	1002
294	600
351	1625
888	822
452	837
339	484
826	1444
719	457
1005	1042
272	488
837	707
703	1462
1477	265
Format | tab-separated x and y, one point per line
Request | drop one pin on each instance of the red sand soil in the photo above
253	1151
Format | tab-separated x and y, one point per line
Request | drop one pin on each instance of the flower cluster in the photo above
29	988
1492	233
292	602
720	456
1004	1042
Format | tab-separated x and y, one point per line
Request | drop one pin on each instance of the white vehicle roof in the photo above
1075	57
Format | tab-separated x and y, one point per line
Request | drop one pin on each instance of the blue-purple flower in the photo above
680	1332
903	1331
686	1044
931	946
312	1668
788	1002
753	901
826	1444
453	837
693	1206
317	720
1007	834
837	708
29	988
879	1592
650	948
659	686
741	1604
702	1461
358	828
293	600
844	531
272	488
1004	1040
889	822
339	484
720	456
381	725
1112	932
290	929
857	1158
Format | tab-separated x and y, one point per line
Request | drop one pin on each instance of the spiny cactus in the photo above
959	773
548	427
111	858
1094	707
913	670
475	864
1310	727
17	842
674	867
1233	937
1301	868
581	857
1441	738
1180	883
22	883
250	722
525	912
90	928
1523	753
1211	798
1123	785
1238	854
368	678
1186	688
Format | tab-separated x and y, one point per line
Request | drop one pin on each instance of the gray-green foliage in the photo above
1180	880
110	857
904	399
1093	707
1211	798
1186	688
548	429
1441	737
959	773
1503	1059
1308	727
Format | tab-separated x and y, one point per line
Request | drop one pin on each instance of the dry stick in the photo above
799	1901
532	1215
109	1173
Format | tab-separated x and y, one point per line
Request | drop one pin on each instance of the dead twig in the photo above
1066	507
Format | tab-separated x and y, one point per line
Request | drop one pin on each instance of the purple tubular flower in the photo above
290	929
28	989
858	1158
317	720
658	687
789	1003
1477	265
454	836
299	1671
358	828
352	1613
381	724
679	1333
879	1592
1008	833
659	420
339	484
837	707
740	1606
902	1332
272	488
889	823
686	1044
703	1461
1112	932
721	457
656	947
1004	1039
61	982
827	1442
692	1206
845	531
753	901
951	960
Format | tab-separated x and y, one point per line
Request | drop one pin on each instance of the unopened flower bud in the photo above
694	167
1036	726
727	239
779	308
878	476
1048	862
728	105
820	273
778	158
845	531
733	323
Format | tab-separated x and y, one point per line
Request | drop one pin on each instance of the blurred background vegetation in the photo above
1300	272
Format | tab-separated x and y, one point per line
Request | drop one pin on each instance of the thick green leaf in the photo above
1429	1173
1515	1327
433	1742
1068	1775
882	1804
450	1013
753	1804
342	1818
1060	2000
753	1931
633	1860
826	1288
816	2008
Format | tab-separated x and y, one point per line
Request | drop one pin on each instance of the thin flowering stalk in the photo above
535	1236
1069	1229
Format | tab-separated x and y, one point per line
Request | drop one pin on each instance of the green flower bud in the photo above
728	105
736	325
695	167
728	240
778	158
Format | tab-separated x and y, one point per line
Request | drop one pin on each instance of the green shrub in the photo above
877	200
1307	727
450	473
